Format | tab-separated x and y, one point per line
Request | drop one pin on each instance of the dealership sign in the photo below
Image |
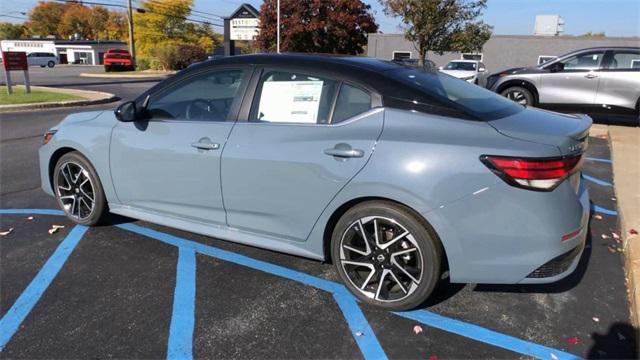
244	28
12	61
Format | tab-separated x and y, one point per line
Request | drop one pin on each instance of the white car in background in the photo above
42	59
472	71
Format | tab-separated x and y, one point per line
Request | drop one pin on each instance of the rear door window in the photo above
291	97
625	60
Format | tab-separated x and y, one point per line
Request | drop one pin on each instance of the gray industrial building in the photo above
500	52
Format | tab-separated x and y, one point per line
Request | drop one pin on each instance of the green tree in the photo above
11	31
441	25
44	18
76	19
323	26
594	34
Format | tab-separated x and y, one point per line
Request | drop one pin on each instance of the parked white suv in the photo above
42	59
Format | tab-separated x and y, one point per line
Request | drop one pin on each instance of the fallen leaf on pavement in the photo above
597	217
615	235
573	340
5	233
433	357
417	329
633	231
359	333
30	218
595	319
605	236
554	356
611	249
55	228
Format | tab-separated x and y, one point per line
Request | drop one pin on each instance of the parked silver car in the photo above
472	71
596	81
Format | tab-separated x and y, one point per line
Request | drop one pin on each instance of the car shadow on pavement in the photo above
620	342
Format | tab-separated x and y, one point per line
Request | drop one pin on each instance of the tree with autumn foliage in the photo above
321	26
441	25
67	20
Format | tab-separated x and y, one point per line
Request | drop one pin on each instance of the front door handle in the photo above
591	76
206	145
344	151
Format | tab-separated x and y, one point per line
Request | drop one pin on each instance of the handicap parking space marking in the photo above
11	321
601	210
595	180
182	322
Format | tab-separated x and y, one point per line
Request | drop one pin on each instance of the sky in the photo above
508	17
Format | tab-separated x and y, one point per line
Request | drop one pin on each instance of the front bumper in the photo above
44	154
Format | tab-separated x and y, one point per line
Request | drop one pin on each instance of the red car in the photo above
117	59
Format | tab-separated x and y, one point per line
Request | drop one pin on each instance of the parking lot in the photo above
137	290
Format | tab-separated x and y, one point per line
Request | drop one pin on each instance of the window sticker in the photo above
290	101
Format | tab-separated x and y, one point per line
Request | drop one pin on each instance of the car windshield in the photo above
472	99
459	65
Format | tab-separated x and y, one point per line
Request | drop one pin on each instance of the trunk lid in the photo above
567	132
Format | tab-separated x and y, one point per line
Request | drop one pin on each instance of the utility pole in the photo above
278	30
132	46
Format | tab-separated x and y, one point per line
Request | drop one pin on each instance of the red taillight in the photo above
535	174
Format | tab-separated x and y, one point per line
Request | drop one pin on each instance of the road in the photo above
115	295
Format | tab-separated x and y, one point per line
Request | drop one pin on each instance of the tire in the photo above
408	277
74	196
51	64
519	94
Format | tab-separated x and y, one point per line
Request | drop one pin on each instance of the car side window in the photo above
584	61
351	102
203	97
625	60
290	97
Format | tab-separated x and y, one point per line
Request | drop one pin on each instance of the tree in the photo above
76	19
44	18
11	31
441	25
322	26
594	34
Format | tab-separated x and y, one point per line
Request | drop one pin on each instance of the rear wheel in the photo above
519	94
78	190
51	64
386	255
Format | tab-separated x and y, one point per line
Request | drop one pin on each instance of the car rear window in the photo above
440	91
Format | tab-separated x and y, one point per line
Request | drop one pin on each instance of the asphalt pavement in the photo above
133	289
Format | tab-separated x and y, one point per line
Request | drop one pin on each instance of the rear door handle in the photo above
205	145
591	76
344	151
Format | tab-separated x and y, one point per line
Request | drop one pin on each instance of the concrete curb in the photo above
126	76
91	98
625	149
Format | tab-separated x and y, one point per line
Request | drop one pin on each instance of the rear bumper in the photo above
505	235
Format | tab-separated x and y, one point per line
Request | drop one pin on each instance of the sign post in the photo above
243	24
12	61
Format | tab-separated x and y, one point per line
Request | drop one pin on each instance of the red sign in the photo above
14	60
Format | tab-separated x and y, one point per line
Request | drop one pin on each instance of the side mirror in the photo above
440	67
482	69
555	67
126	112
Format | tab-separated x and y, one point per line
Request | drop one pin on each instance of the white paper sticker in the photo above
290	101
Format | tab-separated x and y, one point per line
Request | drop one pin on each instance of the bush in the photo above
148	63
178	57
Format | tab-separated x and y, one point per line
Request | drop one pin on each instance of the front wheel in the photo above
78	190
519	94
386	255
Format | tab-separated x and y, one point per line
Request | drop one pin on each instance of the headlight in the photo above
48	136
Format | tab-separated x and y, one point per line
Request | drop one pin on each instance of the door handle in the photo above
591	76
205	146
344	151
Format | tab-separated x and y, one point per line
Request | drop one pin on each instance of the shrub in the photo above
178	57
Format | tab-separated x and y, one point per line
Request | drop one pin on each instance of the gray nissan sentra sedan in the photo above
395	175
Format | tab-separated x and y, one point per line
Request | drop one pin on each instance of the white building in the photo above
86	52
548	25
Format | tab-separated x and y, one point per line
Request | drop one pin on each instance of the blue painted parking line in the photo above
595	180
11	321
601	210
184	302
485	335
360	328
365	338
608	161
